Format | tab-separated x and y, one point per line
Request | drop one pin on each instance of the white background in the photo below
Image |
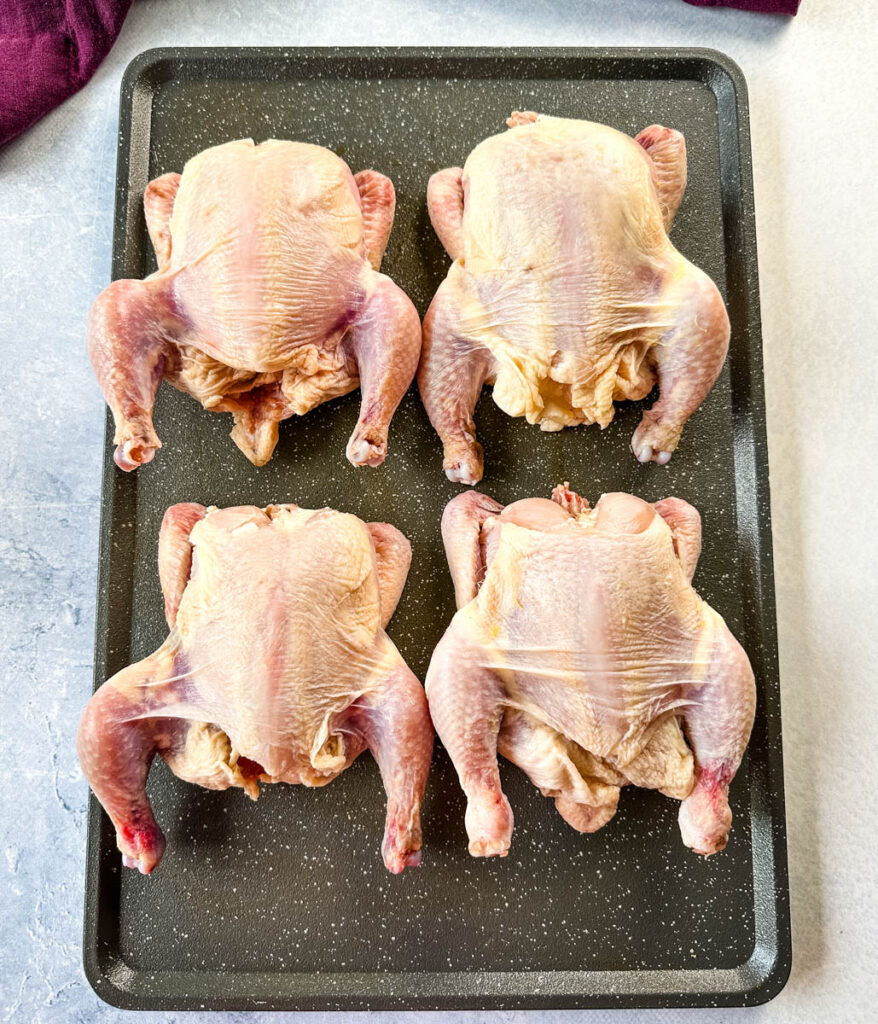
814	104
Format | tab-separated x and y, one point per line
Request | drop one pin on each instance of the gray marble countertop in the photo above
814	104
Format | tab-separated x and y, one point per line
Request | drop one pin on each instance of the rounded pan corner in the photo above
774	982
109	982
725	66
145	66
766	977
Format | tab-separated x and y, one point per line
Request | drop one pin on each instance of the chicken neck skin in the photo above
276	668
566	293
581	652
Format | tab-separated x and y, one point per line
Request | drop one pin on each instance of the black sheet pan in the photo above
285	903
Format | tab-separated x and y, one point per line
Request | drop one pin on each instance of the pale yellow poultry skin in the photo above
582	653
566	292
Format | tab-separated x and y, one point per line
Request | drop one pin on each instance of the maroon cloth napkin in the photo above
768	6
48	50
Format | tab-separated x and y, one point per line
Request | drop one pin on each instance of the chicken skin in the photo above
276	669
267	300
566	293
581	652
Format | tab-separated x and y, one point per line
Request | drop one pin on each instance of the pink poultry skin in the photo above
267	300
276	669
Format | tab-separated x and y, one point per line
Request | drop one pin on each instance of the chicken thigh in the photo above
565	292
276	669
582	653
267	300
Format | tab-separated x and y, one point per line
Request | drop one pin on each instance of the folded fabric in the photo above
768	6
48	50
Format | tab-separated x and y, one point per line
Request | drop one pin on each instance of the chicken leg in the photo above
453	371
466	705
128	333
687	361
120	733
383	346
395	725
718	720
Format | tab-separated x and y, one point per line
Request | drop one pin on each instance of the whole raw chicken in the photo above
267	300
566	293
582	653
276	669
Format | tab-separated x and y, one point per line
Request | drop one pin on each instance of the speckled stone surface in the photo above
813	159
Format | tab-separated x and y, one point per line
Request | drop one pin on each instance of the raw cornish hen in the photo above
566	293
582	653
267	300
276	669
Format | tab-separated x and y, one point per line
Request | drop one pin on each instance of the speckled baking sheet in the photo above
285	903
